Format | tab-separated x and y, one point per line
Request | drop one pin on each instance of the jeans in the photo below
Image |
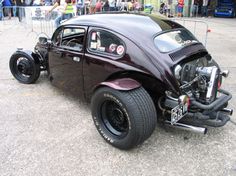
204	11
1	12
194	10
14	11
112	9
61	18
20	13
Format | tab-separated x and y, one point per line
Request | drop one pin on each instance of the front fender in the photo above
124	84
31	54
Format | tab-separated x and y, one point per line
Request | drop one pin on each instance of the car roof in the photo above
128	24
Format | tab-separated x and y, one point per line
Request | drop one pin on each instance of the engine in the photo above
199	79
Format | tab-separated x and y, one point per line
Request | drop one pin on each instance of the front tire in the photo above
24	68
123	118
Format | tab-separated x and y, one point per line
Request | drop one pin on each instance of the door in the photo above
66	57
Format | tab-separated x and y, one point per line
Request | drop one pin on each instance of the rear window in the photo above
173	40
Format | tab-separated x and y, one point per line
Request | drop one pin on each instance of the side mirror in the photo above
43	40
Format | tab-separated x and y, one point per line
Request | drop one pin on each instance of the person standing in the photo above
205	8
20	9
1	12
180	8
92	7
66	10
195	8
14	8
99	6
7	6
112	5
106	6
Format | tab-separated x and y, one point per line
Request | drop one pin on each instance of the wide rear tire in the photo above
123	118
24	68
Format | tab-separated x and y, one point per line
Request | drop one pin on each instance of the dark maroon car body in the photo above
142	61
171	77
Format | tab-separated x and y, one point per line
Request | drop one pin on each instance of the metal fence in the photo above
33	19
38	21
199	28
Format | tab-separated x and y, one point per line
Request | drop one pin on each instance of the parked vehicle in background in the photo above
225	8
135	70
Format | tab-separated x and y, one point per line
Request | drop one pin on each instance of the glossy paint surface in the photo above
141	61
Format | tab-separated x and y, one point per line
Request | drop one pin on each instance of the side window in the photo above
57	36
105	42
73	38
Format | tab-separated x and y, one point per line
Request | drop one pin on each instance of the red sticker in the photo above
112	48
120	50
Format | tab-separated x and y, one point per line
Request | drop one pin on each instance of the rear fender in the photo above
124	84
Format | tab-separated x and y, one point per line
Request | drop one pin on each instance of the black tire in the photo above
24	68
123	118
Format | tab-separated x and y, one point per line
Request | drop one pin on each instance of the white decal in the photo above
94	36
120	50
112	47
93	45
101	49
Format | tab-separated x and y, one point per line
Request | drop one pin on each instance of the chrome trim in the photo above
191	128
211	83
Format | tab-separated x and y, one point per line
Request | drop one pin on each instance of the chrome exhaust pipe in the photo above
227	111
187	127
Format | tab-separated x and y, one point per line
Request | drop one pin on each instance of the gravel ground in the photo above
44	131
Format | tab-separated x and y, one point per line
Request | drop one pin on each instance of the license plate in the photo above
178	112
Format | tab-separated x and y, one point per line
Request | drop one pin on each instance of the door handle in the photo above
76	59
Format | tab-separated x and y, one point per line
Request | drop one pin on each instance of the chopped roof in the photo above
126	23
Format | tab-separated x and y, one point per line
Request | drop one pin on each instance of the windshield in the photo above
173	40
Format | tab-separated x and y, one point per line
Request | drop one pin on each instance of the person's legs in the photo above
180	11
58	20
20	13
14	11
67	16
92	9
9	12
1	13
204	11
193	10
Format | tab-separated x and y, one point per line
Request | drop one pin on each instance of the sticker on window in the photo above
94	34
93	45
112	47
101	49
120	50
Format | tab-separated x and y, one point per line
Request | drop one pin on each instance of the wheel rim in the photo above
114	118
23	68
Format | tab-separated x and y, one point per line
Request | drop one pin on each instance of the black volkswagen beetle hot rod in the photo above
135	70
